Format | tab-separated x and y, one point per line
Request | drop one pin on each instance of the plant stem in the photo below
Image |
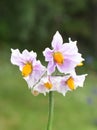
50	114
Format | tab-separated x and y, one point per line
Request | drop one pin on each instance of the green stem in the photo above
50	114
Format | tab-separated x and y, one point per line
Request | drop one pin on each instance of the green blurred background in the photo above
31	24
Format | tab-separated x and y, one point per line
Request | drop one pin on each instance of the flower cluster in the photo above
62	58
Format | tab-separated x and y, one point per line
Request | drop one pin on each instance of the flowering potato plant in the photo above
62	58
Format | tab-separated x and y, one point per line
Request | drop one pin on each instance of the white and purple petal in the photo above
51	67
16	57
57	41
48	53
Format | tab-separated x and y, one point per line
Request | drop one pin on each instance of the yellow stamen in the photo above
58	57
70	83
48	85
80	64
27	69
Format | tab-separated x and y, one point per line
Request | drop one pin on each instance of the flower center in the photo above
58	57
48	85
70	83
27	69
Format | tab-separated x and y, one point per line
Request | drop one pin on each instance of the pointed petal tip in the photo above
70	41
57	40
57	31
12	49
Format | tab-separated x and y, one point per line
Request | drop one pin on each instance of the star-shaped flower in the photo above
71	82
63	56
46	85
31	69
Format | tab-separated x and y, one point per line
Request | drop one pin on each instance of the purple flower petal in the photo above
16	57
66	67
51	67
48	54
57	41
28	56
69	48
79	80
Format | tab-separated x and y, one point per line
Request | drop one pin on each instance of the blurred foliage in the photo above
31	23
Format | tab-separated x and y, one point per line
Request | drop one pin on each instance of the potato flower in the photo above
63	56
31	69
46	85
70	82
